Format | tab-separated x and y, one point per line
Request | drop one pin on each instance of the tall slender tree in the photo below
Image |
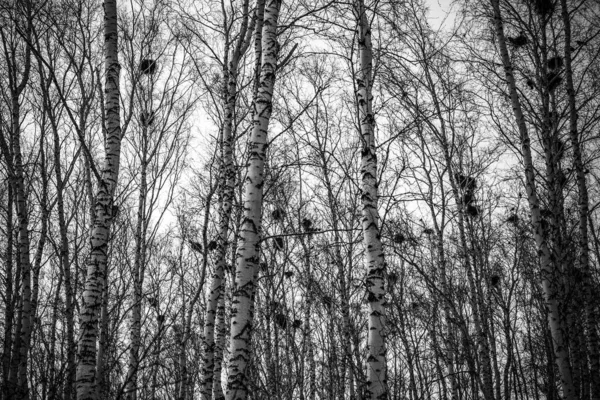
231	70
103	212
16	36
249	242
376	361
591	315
549	274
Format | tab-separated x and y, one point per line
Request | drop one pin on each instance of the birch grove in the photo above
259	199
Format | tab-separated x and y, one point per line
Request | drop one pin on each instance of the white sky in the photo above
438	9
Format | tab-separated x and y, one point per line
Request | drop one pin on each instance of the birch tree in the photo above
549	280
465	313
103	213
249	242
376	361
231	70
16	45
591	316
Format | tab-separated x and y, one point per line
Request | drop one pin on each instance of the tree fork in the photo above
249	242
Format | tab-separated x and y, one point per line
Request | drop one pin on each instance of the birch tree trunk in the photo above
248	248
548	274
37	259
591	315
103	342
138	277
103	210
221	336
376	363
228	178
22	338
9	313
17	386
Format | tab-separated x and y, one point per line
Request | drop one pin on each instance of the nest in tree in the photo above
288	274
147	118
543	7
513	219
160	318
398	238
297	323
495	279
554	80
274	305
153	302
281	320
196	246
518	41
472	210
392	278
465	182
555	62
148	66
468	198
530	83
212	245
307	224
428	231
279	243
277	214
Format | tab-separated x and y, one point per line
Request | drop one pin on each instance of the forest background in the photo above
299	200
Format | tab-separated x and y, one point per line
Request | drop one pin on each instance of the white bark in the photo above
376	362
95	280
228	178
221	336
248	247
21	344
